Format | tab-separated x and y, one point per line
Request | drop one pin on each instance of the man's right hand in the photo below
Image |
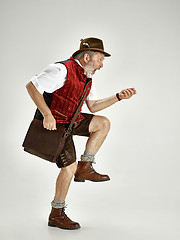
49	122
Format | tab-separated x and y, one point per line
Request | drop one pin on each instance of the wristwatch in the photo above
117	95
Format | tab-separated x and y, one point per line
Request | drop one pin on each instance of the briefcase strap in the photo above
69	130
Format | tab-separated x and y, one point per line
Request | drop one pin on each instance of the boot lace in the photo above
63	213
91	165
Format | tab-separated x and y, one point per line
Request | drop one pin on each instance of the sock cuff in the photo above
58	203
88	156
88	153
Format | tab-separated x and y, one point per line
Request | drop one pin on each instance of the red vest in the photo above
65	100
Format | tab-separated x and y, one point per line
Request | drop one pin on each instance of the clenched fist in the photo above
49	122
127	93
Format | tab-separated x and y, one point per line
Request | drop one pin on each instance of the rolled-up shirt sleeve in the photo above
93	94
51	78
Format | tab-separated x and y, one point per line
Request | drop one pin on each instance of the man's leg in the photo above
99	128
57	217
63	181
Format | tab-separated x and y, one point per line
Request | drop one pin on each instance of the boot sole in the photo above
83	180
53	225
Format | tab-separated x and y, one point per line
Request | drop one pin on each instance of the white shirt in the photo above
53	77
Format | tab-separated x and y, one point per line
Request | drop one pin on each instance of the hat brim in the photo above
92	49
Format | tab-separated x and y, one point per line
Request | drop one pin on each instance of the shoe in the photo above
85	171
58	218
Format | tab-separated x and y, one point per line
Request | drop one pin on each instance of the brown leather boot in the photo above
58	218
85	171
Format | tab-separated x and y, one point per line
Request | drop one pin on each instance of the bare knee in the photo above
71	169
100	123
105	124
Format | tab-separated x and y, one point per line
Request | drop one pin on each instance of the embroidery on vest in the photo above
66	99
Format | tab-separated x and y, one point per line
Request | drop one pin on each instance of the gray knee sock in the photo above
87	156
58	203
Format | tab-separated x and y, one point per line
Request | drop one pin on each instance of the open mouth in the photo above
95	70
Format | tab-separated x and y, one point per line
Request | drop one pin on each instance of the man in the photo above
57	92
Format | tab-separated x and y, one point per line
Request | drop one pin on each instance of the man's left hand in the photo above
127	93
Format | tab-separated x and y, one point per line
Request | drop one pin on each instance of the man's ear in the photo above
86	58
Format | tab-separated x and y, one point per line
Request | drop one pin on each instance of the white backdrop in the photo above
141	153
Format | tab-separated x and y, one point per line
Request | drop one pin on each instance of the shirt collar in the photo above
79	64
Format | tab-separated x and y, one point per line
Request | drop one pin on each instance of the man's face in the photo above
95	63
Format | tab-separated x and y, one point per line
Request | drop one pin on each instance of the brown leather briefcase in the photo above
44	143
